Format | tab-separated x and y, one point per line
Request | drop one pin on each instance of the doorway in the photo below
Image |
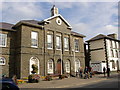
59	64
117	65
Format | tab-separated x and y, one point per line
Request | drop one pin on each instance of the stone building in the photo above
104	51
50	44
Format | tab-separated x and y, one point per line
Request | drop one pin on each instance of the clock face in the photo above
58	21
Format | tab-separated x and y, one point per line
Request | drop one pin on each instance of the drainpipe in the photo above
44	49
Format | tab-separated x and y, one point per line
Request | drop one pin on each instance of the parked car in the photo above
8	83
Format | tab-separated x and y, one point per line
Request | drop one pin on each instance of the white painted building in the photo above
104	48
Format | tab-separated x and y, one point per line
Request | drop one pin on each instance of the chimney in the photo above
113	35
54	11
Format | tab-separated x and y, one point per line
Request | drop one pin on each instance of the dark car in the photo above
8	83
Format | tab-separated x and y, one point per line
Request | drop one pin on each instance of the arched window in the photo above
50	66
67	66
77	65
2	61
34	61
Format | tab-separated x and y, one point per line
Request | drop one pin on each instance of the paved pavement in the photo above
67	82
111	82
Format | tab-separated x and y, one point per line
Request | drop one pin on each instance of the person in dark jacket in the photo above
90	71
104	71
108	71
86	73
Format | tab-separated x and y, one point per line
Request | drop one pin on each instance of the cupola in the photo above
54	11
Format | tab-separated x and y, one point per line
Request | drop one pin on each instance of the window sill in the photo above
58	49
3	46
50	48
66	50
77	51
34	46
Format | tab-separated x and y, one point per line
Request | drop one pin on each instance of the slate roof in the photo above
6	26
77	34
31	21
101	36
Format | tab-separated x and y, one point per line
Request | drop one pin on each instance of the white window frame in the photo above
49	42
2	61
67	66
113	43
66	43
58	42
76	50
34	38
3	38
50	67
117	44
77	65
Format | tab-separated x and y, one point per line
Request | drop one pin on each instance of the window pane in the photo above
3	39
67	66
50	66
49	41
58	42
76	42
66	43
34	39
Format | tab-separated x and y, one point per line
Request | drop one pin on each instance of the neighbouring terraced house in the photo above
50	44
104	51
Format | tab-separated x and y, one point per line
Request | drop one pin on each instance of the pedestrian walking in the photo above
90	71
80	72
86	73
104	71
108	71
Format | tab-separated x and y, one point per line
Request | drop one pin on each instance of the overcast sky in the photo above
88	18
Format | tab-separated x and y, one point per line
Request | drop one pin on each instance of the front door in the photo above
59	66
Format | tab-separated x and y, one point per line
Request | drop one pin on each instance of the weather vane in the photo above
54	2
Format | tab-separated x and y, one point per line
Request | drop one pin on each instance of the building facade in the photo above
104	52
50	44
